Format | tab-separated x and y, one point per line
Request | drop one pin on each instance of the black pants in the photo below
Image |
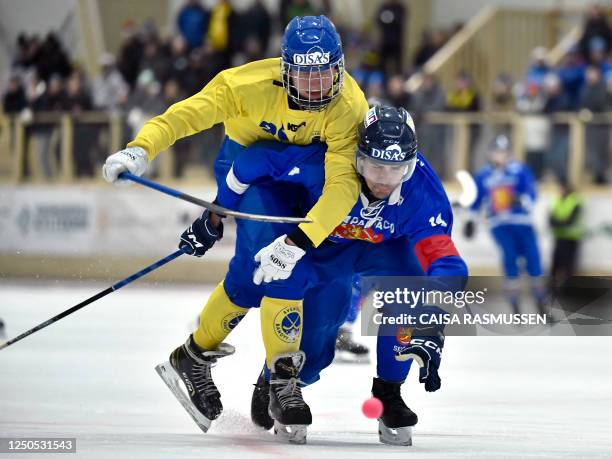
564	260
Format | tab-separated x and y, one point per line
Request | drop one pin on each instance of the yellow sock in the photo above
281	326
217	319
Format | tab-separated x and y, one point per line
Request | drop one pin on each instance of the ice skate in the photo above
198	394
395	424
260	402
287	407
349	351
2	332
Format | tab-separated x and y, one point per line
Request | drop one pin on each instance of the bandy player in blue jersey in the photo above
400	225
507	190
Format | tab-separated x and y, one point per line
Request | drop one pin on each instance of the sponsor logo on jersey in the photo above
232	319
294	171
348	231
294	127
372	213
391	153
403	336
288	324
311	58
502	198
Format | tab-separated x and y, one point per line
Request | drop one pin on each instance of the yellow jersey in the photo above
252	104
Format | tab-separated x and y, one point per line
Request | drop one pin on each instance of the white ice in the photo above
91	376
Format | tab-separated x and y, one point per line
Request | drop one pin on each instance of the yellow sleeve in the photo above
341	188
215	103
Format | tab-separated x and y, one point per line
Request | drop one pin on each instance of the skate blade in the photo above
292	433
399	436
348	357
173	381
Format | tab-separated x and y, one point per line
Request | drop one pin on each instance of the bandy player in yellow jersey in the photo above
302	98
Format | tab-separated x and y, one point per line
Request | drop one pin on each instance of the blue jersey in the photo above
507	193
418	209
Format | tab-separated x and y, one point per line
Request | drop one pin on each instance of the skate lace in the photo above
202	379
289	396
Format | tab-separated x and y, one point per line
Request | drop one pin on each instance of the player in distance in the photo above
506	189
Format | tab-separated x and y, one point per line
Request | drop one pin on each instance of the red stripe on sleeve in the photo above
432	248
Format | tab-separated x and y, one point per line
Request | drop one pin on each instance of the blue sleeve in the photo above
264	160
249	166
451	266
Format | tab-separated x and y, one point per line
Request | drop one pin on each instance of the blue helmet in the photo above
387	141
312	62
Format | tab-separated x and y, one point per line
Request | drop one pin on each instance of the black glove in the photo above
200	236
469	229
426	351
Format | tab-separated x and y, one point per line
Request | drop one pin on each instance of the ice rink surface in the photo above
91	376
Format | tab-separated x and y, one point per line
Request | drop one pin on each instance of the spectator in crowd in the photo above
571	73
369	76
594	98
204	64
130	54
503	97
598	55
392	18
431	42
14	100
289	9
145	101
539	66
429	98
182	147
556	100
179	57
536	127
109	90
224	33
396	93
155	60
464	96
78	100
51	59
255	26
595	26
192	22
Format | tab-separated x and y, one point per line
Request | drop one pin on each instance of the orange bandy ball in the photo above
372	408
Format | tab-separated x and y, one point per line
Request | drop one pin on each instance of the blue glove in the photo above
200	236
426	351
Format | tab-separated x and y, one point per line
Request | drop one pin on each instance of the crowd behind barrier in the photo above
59	123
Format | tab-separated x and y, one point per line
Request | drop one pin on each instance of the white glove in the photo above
132	159
276	261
